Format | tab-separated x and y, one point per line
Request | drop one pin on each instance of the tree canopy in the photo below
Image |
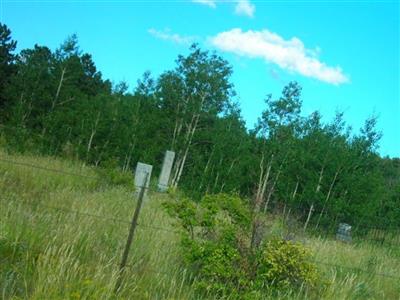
58	103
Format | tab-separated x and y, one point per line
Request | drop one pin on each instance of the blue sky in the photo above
345	54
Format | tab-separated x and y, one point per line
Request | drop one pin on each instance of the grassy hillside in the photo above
62	236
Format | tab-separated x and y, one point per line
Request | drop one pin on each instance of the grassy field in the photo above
50	251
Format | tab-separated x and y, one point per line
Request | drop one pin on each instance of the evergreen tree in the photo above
7	64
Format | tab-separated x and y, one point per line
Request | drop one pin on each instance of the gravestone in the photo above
142	171
163	180
344	233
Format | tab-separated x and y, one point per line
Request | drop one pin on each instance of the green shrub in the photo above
216	246
217	266
285	264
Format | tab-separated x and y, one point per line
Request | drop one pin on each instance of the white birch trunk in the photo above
58	88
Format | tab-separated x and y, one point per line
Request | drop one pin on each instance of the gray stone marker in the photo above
163	180
344	233
142	170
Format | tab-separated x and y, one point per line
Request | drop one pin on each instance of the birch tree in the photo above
197	87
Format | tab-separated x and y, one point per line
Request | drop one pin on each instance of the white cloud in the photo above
242	7
167	35
245	8
210	3
287	54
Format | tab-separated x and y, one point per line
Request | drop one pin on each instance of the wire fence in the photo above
101	218
355	270
105	218
388	236
38	251
46	169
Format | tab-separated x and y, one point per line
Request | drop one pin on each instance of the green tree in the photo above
198	87
7	64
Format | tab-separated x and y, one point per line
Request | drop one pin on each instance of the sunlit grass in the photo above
47	253
58	254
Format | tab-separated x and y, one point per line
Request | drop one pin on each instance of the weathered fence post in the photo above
131	233
142	170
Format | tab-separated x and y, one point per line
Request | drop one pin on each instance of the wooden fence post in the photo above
131	234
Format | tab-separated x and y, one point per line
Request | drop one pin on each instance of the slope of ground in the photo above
62	237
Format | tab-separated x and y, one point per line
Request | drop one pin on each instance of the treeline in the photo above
57	103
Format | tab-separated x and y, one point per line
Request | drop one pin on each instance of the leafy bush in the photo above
216	246
285	264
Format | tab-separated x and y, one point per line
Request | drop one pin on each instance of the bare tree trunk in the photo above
317	189
262	182
257	224
286	217
24	115
228	173
272	189
206	168
327	197
176	166
128	156
263	187
180	163
180	168
58	88
177	128
308	217
319	180
295	190
180	158
260	178
218	174
94	130
215	182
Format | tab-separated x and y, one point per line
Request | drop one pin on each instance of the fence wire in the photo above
115	264
46	169
360	270
113	219
102	218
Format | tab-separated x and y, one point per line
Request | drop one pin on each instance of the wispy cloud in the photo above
210	3
167	35
288	54
245	8
242	7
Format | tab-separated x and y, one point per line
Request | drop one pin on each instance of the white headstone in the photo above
344	233
163	180
142	172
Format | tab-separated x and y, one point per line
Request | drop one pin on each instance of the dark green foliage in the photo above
7	64
57	103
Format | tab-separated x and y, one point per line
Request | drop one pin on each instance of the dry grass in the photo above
51	254
55	254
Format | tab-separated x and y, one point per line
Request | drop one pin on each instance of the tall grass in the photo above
47	253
